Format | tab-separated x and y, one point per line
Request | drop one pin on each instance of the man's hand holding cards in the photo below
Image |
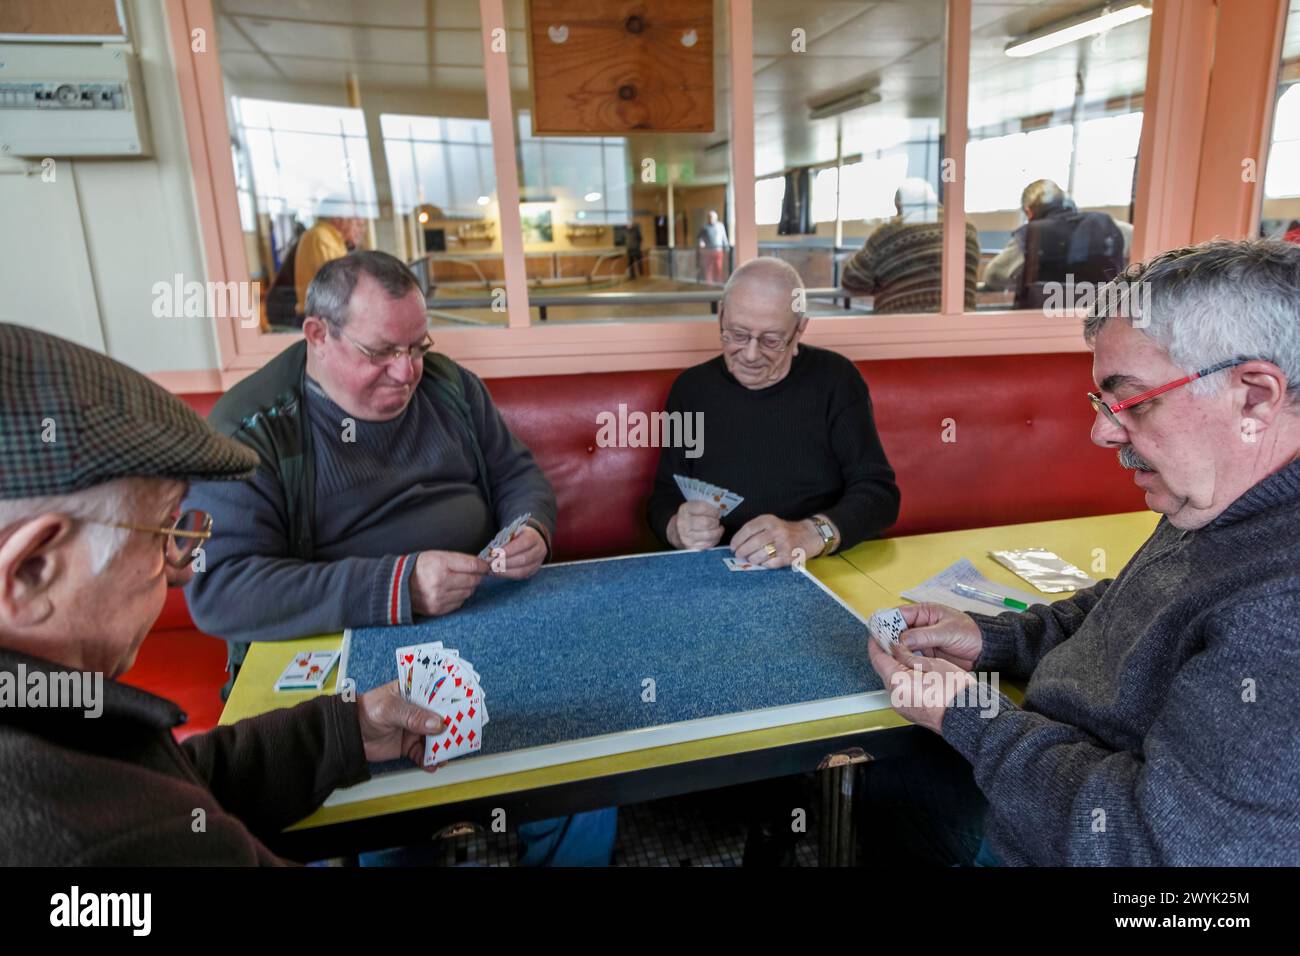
437	679
517	551
697	524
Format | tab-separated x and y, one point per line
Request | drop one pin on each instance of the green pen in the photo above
989	597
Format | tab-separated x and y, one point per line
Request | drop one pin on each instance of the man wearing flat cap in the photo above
94	461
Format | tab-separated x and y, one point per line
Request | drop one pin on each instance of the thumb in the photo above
413	718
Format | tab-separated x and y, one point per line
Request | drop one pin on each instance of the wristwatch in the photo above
830	537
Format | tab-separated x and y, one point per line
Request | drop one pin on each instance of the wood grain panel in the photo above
621	65
65	18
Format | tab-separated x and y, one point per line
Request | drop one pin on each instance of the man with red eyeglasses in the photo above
1159	725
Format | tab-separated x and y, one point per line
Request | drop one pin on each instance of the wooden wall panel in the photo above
612	66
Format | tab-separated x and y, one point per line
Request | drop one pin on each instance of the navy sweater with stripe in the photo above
384	492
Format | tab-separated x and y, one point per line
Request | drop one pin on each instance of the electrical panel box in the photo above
71	99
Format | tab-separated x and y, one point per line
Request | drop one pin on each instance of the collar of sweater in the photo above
1280	489
120	701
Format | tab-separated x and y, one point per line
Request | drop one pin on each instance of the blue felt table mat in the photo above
563	655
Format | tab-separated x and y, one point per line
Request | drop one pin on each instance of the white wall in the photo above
79	256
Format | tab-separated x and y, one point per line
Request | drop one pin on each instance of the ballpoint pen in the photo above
989	597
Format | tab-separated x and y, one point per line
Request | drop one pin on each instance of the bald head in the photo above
768	279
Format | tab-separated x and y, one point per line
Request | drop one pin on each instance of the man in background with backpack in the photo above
384	469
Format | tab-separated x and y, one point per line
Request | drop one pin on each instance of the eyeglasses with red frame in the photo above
1110	408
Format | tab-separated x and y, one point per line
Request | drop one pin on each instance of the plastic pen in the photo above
989	597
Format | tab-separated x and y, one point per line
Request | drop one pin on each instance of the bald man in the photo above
787	426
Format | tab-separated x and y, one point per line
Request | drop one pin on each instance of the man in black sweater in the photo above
787	427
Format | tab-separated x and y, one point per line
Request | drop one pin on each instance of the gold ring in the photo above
770	548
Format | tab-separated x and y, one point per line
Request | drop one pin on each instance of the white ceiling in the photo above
424	48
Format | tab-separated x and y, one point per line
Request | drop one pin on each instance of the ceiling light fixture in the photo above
1077	28
842	104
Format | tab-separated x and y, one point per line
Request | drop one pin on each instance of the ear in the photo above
31	563
1265	391
314	331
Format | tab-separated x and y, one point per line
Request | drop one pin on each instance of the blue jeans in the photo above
584	839
922	809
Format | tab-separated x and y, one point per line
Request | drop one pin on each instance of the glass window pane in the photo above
1054	126
852	94
421	189
1280	214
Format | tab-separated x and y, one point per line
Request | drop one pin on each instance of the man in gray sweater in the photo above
384	468
1159	725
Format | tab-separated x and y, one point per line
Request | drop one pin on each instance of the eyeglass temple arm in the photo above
1200	373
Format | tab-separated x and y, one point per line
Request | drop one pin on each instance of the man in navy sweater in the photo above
384	469
1159	724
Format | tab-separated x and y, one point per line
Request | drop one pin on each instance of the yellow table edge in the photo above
839	572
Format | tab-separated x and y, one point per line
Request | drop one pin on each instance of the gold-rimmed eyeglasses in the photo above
178	548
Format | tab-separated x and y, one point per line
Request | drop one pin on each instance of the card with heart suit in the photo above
438	679
308	670
735	564
504	536
887	626
693	489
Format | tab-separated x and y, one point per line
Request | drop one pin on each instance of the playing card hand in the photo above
696	526
443	580
392	727
751	542
943	632
910	683
524	554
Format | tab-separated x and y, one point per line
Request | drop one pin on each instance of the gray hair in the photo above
769	269
1212	302
107	502
331	289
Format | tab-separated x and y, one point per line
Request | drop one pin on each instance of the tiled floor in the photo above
694	830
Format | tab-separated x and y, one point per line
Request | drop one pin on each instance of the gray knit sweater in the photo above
1161	723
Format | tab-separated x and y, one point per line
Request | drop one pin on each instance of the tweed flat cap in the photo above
71	418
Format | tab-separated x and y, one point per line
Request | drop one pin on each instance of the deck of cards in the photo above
887	627
307	671
735	564
695	490
438	679
504	536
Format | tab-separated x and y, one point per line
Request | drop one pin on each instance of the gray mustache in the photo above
1128	458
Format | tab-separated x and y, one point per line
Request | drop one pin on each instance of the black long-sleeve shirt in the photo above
806	445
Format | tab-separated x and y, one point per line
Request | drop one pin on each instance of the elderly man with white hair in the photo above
94	461
787	426
1159	725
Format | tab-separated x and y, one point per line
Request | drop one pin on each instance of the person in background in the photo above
336	232
901	262
1056	242
635	266
713	244
90	540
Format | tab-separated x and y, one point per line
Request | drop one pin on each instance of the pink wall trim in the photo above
742	128
502	119
1173	123
1239	119
952	296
